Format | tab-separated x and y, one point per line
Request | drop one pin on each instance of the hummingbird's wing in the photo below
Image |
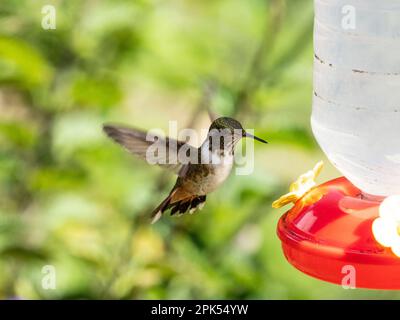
154	149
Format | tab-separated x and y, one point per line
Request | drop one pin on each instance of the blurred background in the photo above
72	199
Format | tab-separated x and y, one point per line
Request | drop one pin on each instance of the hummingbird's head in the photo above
226	123
229	128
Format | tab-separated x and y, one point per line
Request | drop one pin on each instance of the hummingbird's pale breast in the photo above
220	172
214	169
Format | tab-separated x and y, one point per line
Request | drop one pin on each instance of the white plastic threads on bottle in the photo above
356	103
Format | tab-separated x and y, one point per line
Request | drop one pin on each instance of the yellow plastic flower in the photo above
386	228
300	187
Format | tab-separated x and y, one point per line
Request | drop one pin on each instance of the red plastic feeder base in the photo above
328	234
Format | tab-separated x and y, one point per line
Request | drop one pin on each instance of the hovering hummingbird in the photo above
209	165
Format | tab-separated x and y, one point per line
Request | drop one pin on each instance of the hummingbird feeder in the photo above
352	222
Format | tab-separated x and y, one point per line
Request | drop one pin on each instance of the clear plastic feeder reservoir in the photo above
356	106
353	223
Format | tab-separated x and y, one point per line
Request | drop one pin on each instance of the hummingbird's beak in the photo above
248	135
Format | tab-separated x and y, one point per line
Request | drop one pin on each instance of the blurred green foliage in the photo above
72	199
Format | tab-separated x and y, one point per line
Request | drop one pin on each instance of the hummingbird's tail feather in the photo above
197	203
190	204
155	217
157	212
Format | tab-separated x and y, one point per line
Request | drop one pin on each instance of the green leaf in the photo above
21	62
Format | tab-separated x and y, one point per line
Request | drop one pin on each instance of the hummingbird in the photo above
198	175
